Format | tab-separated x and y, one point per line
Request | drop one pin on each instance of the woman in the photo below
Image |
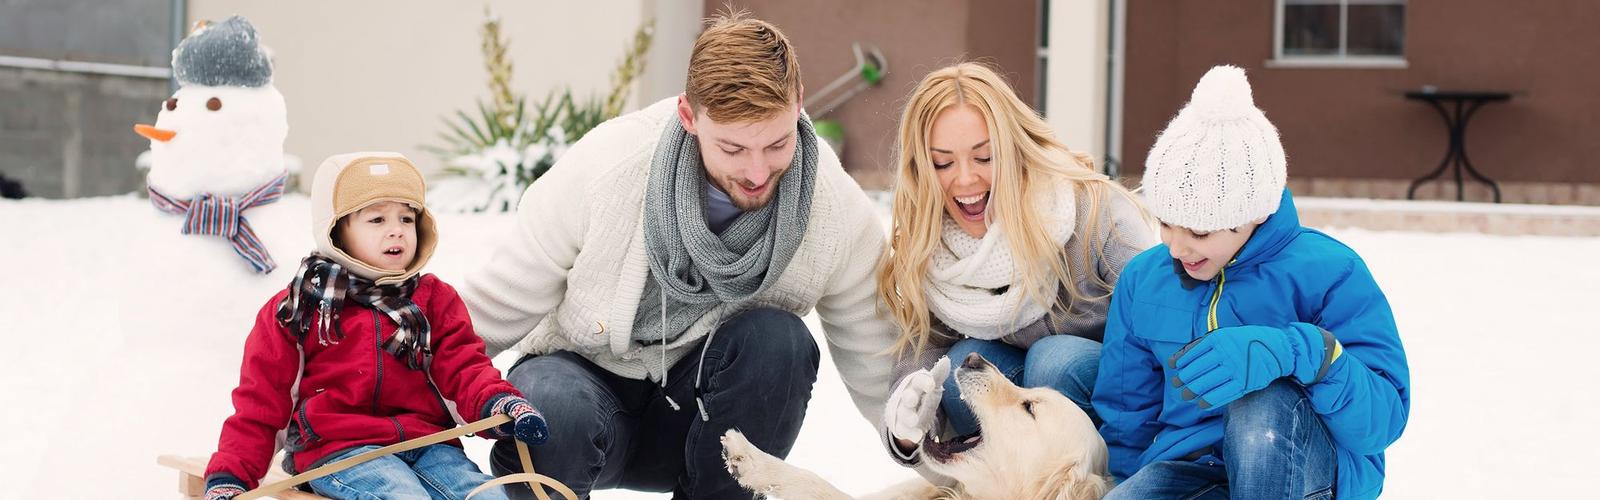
1004	243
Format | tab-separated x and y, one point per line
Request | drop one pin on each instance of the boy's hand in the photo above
526	425
224	487
913	404
1230	362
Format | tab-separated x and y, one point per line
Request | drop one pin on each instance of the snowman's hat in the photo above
225	54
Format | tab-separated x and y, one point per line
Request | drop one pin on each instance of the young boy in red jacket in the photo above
363	351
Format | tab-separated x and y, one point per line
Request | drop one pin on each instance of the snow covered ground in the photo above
122	341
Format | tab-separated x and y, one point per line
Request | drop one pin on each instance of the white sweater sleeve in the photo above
527	275
859	335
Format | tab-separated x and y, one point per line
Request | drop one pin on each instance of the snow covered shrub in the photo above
492	156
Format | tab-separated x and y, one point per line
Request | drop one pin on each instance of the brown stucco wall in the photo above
1354	123
1006	34
916	37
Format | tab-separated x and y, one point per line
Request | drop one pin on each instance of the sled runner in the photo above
192	481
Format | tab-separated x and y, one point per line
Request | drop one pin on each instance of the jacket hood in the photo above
1272	235
347	183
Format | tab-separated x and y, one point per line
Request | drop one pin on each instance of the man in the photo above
658	272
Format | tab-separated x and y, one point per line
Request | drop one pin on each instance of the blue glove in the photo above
526	425
1230	362
223	487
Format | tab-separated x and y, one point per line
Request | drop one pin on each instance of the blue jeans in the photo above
434	472
1273	446
607	431
1065	363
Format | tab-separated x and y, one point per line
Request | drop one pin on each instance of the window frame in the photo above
1340	60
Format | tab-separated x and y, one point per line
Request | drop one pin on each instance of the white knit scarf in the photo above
970	280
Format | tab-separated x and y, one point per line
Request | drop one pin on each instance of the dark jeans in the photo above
1065	363
1273	446
609	432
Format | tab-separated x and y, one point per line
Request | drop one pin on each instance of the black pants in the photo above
608	431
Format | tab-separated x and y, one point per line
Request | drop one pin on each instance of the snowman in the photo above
216	149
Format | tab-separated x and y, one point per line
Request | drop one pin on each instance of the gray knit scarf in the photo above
695	270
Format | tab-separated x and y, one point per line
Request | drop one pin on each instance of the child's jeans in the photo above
435	472
1065	363
1273	447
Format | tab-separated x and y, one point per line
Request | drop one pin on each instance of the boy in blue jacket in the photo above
1247	355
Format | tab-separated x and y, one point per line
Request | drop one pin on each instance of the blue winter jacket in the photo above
1285	276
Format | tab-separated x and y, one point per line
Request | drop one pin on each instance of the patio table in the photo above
1461	106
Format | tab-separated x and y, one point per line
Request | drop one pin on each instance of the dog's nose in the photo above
974	361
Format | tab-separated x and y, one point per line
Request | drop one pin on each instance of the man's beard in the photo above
731	187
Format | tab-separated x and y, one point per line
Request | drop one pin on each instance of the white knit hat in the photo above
1218	165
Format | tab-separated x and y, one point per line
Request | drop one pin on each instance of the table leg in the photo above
1456	153
1461	148
1449	152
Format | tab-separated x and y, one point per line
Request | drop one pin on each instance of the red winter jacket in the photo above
352	393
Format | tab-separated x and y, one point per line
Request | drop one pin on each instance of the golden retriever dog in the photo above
1032	443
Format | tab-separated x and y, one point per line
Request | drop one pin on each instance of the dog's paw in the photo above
736	453
747	464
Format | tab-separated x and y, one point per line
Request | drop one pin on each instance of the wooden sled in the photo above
192	478
192	481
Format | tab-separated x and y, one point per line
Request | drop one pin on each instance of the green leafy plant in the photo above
491	156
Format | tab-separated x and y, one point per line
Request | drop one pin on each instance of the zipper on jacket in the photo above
427	374
305	424
1216	296
377	344
400	431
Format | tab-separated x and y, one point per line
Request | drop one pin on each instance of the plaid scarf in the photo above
323	285
224	216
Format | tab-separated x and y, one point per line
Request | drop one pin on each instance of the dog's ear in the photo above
1090	487
1077	482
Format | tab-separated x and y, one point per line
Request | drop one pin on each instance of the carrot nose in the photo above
154	134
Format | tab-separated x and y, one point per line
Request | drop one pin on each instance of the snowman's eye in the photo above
214	104
172	103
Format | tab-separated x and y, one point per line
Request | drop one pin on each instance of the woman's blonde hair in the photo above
1025	154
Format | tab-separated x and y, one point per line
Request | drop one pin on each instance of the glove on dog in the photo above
914	402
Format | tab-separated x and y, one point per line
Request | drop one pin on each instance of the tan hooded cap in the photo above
347	183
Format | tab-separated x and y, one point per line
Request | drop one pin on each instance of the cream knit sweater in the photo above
569	276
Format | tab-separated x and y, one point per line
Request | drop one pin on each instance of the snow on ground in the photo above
123	340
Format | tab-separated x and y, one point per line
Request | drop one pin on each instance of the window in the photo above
128	32
1340	33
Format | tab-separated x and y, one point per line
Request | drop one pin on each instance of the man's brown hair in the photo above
742	69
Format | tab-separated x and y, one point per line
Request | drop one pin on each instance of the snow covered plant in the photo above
492	156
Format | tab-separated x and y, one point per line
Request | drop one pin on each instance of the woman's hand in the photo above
911	408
